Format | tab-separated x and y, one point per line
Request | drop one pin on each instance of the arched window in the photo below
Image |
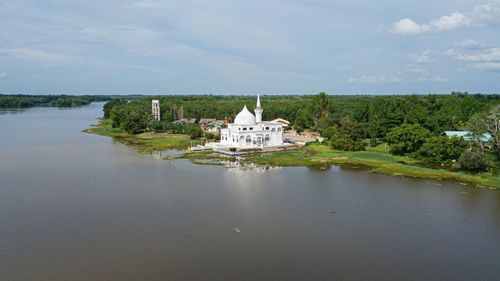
273	130
249	140
266	138
279	129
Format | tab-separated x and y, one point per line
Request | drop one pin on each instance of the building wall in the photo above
252	136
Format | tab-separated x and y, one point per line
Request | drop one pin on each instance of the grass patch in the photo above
208	162
317	155
146	142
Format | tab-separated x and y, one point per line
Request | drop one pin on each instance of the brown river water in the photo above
75	206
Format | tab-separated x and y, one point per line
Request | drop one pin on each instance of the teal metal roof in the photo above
466	135
215	124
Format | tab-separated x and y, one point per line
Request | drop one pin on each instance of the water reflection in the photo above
167	154
11	110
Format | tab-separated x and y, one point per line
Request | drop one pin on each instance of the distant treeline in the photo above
376	114
24	101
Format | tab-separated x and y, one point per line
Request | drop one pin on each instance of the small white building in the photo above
249	131
283	122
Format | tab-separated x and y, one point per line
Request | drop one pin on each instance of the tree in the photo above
210	136
407	138
477	126
158	126
118	114
349	137
323	121
472	160
136	121
109	106
194	131
329	132
341	141
303	120
442	150
493	128
321	107
352	129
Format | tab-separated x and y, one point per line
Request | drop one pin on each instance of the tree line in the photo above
25	101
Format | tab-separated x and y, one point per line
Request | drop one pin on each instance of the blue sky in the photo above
249	47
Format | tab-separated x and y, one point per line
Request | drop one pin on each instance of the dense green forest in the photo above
24	101
377	114
411	125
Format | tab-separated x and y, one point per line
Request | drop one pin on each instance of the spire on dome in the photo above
258	101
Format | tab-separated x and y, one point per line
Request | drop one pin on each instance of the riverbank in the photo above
144	143
378	159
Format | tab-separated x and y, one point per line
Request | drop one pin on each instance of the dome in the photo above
245	117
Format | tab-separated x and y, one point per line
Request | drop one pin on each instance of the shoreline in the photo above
313	156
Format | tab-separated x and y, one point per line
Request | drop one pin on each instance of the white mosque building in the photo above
249	131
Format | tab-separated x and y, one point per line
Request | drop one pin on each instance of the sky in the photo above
249	47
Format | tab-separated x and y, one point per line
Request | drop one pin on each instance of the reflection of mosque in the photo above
156	155
239	166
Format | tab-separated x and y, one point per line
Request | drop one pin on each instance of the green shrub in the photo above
194	131
472	160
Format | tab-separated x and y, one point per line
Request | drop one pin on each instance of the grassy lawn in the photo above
146	142
380	161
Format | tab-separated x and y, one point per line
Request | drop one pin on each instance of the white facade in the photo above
249	131
156	109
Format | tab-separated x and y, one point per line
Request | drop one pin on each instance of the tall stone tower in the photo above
156	109
258	111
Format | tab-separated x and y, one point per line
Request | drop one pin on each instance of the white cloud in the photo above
482	59
445	23
470	44
419	63
433	79
415	69
488	66
36	55
119	34
374	79
149	4
487	14
421	58
489	55
169	50
480	15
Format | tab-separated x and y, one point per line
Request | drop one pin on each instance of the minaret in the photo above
156	109
258	111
